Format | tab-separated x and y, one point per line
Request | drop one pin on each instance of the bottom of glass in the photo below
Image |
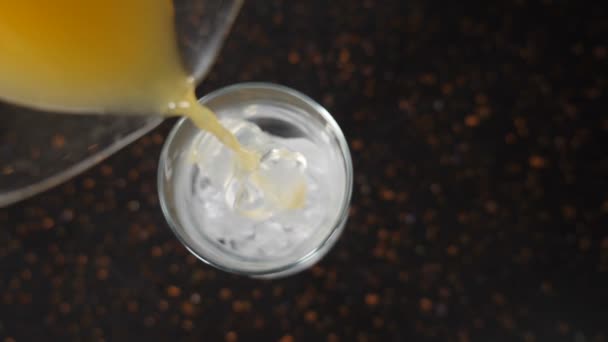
42	149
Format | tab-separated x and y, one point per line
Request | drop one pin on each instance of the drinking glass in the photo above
256	247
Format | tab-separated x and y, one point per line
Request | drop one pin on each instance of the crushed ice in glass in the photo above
265	213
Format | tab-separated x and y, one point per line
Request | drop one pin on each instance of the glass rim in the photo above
336	226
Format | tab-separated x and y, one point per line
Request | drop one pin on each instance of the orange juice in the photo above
101	56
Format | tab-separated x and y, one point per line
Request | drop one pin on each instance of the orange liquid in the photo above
100	56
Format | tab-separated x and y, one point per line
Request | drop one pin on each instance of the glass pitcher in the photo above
39	148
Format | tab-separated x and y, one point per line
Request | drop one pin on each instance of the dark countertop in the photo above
479	211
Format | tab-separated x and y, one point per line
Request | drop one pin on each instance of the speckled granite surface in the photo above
479	214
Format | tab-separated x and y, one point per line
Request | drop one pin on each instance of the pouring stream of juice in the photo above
102	56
